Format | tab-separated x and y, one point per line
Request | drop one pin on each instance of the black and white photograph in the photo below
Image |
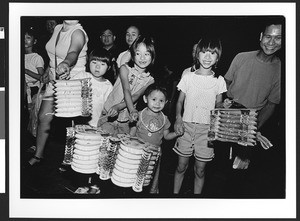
152	110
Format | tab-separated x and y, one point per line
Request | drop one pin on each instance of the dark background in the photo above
174	35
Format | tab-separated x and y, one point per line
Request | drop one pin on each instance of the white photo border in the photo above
150	208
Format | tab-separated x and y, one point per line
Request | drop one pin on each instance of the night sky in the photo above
175	35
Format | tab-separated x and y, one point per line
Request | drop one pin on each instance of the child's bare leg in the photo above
199	170
45	118
182	166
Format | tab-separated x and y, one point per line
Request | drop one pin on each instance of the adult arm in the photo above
77	43
265	113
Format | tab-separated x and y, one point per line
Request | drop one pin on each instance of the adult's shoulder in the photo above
247	54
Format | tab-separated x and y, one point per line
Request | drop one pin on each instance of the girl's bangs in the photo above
103	59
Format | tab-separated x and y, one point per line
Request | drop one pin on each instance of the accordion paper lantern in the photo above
233	125
127	161
73	97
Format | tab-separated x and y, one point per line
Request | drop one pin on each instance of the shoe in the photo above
31	149
94	190
82	190
39	161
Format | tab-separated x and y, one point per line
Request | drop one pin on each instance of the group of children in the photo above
114	106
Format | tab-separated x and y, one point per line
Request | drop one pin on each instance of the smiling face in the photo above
142	58
98	68
131	34
270	40
155	101
207	59
29	41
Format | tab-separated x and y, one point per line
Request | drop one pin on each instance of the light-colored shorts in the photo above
49	92
194	141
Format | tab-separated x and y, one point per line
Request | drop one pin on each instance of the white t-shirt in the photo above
32	62
200	95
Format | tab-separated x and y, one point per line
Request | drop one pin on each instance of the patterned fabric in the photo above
154	136
200	95
136	81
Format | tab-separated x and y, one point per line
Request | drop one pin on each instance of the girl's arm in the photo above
178	126
131	99
126	88
219	101
77	43
34	75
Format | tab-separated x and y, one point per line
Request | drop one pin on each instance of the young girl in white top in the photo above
200	91
133	80
34	65
99	63
131	34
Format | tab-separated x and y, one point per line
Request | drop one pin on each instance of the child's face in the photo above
207	59
142	57
98	68
131	34
29	41
155	101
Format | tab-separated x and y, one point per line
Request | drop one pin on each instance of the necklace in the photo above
151	127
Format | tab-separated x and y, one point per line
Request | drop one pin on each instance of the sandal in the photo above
38	161
31	149
82	190
94	190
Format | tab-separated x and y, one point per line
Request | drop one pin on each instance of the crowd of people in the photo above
130	95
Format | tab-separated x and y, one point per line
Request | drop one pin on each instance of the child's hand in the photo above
134	115
45	78
113	111
227	103
102	120
178	126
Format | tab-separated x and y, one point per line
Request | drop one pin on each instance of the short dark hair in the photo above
278	20
107	28
155	87
31	32
208	44
100	54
